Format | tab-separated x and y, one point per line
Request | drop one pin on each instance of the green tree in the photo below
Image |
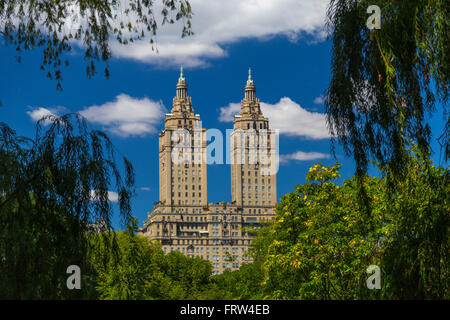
56	25
416	253
52	190
242	284
322	240
138	269
131	272
191	275
385	83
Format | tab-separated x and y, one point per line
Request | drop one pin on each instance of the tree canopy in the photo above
139	269
322	240
386	83
57	25
53	192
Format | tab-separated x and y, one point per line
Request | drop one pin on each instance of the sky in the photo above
284	43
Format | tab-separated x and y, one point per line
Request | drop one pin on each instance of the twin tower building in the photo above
182	219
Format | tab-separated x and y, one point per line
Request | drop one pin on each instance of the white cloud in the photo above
227	113
112	196
218	22
319	100
287	116
127	116
38	113
303	156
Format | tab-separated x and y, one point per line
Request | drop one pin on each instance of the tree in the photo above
387	82
55	26
131	272
139	269
416	253
52	190
242	284
322	240
190	275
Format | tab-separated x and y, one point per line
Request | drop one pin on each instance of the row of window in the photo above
216	218
202	250
186	187
186	202
256	181
249	195
269	188
199	179
250	203
186	172
186	194
261	125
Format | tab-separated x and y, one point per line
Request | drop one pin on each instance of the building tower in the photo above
182	153
182	220
253	146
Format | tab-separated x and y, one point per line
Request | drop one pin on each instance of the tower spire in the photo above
249	76
250	90
181	73
181	86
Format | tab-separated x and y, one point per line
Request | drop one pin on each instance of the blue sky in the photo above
282	41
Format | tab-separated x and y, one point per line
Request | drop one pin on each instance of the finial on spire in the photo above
181	73
249	76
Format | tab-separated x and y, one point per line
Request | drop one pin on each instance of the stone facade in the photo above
183	220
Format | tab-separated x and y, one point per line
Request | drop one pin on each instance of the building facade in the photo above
183	220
